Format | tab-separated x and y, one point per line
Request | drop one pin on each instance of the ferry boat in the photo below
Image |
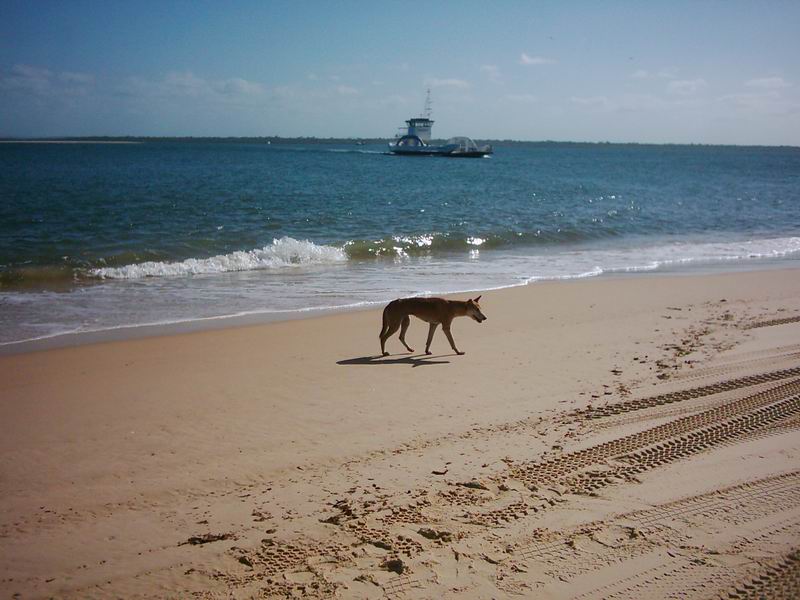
417	137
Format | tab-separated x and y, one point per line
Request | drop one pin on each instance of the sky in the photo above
651	72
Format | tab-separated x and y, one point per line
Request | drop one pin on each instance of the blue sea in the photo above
97	237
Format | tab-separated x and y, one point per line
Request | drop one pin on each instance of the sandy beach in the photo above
631	437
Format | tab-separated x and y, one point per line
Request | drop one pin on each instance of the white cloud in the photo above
27	78
596	102
767	102
185	84
453	83
236	86
624	103
768	83
522	98
524	59
643	103
686	87
188	85
394	100
31	72
666	73
284	92
492	72
346	90
38	81
76	78
135	87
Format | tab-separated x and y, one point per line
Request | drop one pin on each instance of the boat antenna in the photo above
428	106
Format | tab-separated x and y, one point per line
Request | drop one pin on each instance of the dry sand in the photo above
616	438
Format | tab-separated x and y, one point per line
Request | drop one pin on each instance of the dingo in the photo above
434	311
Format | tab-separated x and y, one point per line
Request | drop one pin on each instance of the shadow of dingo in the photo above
417	360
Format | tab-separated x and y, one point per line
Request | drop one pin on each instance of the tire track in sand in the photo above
772	322
557	469
779	581
648	535
681	395
271	566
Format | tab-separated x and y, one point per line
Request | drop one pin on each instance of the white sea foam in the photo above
143	296
636	259
283	252
685	253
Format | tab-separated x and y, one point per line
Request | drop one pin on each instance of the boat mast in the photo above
428	111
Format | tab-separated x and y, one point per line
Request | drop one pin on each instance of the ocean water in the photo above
99	236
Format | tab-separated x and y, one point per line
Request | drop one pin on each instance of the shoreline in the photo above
372	141
255	318
288	458
68	142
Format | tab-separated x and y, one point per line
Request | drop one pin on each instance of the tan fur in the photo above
434	311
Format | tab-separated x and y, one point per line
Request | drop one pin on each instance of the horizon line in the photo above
333	139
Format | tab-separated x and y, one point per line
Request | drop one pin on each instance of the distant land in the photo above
245	140
136	139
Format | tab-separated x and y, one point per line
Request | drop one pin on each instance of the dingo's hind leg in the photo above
403	328
390	330
383	335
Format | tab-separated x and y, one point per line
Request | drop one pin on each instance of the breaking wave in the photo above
289	252
283	252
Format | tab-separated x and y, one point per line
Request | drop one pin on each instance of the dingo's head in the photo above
474	310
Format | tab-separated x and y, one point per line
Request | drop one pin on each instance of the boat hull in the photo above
426	151
448	151
476	154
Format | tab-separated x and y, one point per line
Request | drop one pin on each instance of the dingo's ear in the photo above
476	299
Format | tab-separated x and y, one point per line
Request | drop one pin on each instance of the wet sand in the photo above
616	438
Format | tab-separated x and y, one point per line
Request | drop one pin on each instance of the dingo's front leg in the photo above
431	331
450	339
